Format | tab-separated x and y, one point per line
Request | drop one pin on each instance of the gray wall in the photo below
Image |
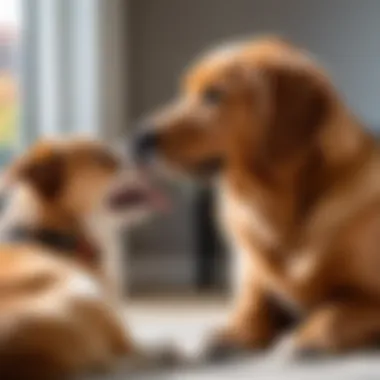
167	34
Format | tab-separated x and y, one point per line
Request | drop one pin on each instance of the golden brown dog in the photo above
299	192
59	313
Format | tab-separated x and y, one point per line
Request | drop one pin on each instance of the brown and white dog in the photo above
299	192
59	312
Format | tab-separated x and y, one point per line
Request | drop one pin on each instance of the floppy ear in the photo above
300	104
43	169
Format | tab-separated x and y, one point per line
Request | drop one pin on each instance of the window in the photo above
62	71
10	33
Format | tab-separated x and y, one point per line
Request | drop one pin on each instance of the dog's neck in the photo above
69	244
25	219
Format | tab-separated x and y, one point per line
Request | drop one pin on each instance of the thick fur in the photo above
299	192
58	316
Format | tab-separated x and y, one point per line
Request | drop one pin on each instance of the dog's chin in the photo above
132	218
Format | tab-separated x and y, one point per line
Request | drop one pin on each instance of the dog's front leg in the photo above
333	328
252	325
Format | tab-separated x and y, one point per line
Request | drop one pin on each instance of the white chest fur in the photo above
236	212
235	215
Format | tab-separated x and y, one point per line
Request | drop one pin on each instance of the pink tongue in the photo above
158	200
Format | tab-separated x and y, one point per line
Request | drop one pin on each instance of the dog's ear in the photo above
300	104
44	169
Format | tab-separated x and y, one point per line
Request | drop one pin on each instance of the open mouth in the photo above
134	197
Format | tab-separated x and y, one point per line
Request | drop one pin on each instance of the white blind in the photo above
72	51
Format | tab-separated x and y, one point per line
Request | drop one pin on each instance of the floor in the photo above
170	322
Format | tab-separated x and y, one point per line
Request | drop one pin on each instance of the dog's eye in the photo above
212	95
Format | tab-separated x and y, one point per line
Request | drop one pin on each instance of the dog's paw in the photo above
290	348
220	347
217	351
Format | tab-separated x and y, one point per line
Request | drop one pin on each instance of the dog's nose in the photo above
144	145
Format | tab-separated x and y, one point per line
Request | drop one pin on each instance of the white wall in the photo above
167	34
